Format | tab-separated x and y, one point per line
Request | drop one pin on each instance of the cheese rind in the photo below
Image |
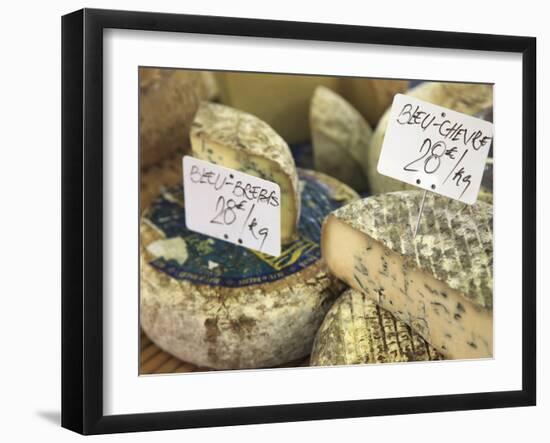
168	100
166	174
440	283
462	97
371	96
340	137
222	306
357	331
237	140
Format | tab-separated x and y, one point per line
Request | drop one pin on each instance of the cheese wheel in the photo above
340	137
467	98
356	331
223	306
168	100
440	283
282	100
226	136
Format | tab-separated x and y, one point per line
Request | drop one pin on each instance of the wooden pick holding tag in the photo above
436	149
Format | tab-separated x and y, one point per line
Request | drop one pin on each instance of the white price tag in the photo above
232	206
435	148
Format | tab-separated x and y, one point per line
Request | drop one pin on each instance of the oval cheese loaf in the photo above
168	100
226	136
440	283
222	306
462	97
340	137
356	330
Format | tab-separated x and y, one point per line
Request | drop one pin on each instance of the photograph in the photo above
291	220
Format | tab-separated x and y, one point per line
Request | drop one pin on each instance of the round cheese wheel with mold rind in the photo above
467	98
222	306
439	282
228	137
340	136
356	331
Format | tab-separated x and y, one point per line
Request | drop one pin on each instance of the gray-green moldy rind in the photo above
227	328
235	328
357	331
454	242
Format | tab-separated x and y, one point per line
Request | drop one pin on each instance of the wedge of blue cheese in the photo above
439	283
228	137
358	331
340	137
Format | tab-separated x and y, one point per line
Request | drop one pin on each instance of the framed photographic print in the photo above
270	221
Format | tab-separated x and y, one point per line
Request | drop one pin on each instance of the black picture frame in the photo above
82	220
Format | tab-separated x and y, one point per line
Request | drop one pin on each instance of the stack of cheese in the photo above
439	284
222	306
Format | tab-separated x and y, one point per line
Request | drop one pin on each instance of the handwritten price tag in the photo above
435	148
232	206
